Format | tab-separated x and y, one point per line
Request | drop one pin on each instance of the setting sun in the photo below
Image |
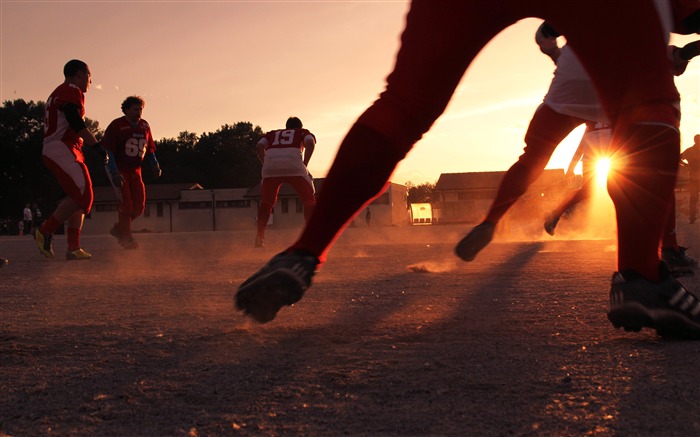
602	167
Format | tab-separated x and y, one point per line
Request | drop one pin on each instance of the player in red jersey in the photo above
65	133
128	140
285	155
623	49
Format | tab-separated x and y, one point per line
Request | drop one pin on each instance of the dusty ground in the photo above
396	337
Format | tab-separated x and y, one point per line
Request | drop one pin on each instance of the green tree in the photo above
172	154
21	137
25	177
422	193
222	159
227	158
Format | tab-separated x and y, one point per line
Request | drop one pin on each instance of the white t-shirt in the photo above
572	92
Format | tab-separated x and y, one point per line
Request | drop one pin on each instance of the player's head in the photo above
132	101
697	139
294	123
132	107
77	72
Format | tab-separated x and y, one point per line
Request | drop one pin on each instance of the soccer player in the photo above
65	133
570	101
128	140
438	43
285	155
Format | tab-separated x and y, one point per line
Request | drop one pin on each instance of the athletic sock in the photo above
124	225
50	226
73	237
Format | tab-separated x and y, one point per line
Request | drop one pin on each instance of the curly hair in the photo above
132	100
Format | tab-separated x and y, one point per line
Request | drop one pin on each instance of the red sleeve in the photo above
70	94
306	132
151	147
109	140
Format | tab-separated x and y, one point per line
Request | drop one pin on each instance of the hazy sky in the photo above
203	64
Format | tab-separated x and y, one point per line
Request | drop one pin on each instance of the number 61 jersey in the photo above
129	142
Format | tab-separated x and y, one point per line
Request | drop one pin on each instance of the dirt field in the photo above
396	337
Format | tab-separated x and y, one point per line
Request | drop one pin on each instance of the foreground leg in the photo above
430	64
547	129
74	226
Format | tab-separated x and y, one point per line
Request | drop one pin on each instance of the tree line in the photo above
225	158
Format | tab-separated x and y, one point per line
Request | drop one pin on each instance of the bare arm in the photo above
260	149
309	146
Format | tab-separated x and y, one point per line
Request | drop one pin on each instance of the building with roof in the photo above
466	197
189	207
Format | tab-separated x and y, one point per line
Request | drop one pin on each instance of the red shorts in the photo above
302	185
133	193
68	166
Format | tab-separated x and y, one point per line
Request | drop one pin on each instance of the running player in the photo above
285	155
439	42
570	101
65	133
128	140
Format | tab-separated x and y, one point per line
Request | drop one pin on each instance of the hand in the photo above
157	172
117	178
97	147
678	64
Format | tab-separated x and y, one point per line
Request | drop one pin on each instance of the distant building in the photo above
189	207
389	209
466	197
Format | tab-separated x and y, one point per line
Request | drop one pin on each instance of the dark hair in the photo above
73	66
294	123
131	100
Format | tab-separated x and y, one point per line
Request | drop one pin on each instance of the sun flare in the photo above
602	167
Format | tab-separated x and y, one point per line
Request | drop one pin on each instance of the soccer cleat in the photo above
114	232
550	223
280	282
44	243
129	243
125	242
667	306
77	255
259	242
474	241
678	261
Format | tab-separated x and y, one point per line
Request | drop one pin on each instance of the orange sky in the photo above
202	64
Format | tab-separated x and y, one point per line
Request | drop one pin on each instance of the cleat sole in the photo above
263	298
